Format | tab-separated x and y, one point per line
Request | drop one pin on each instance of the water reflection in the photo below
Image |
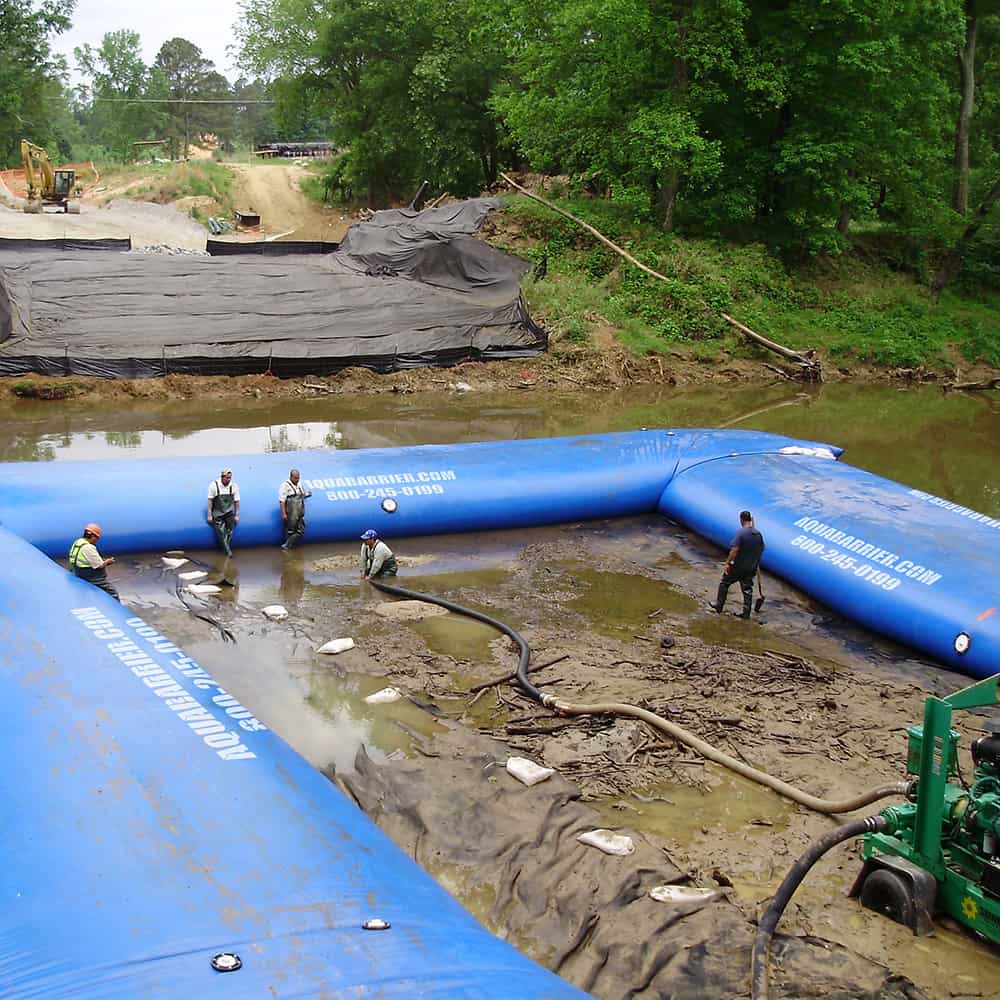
293	579
940	442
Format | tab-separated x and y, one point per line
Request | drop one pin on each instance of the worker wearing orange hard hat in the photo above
86	562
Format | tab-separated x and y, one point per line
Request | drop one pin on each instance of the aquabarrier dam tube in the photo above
153	823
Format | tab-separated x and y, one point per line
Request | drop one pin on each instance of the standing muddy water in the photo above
801	693
945	443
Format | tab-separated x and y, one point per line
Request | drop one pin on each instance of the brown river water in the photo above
946	444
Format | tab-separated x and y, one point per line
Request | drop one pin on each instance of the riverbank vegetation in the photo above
860	306
829	173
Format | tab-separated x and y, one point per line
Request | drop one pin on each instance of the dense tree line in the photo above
31	91
122	105
796	118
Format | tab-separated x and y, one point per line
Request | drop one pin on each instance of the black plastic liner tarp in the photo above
11	244
265	248
581	913
414	291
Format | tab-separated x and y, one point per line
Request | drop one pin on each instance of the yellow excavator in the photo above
47	186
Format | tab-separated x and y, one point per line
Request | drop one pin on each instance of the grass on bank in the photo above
164	183
319	184
851	309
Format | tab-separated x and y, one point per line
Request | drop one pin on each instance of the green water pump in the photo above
940	852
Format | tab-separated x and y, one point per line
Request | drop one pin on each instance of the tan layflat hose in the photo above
711	753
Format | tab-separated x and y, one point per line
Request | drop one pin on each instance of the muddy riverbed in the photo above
620	607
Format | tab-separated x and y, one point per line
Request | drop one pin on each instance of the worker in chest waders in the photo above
745	551
224	508
376	557
86	562
292	503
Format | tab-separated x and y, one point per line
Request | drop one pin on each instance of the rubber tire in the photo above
887	893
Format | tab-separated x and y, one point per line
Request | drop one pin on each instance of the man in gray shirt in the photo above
376	557
292	504
745	551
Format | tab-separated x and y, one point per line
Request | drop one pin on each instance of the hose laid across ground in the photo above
657	722
524	650
798	871
711	753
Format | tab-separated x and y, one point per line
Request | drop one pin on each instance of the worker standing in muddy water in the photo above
376	557
292	503
224	508
86	562
745	551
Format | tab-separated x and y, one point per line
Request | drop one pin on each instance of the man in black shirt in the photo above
741	564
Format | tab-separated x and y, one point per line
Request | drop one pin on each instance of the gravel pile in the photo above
163	248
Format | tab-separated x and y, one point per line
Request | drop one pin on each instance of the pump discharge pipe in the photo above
759	975
711	753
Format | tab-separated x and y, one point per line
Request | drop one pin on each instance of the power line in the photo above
175	100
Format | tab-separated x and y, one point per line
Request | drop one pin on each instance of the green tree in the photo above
979	19
403	85
119	83
854	96
190	77
65	133
254	123
29	75
217	120
616	90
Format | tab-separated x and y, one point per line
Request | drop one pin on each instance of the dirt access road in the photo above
274	191
145	223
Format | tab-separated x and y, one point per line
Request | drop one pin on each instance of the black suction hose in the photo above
524	649
781	899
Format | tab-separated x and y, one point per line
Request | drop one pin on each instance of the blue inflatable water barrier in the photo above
151	822
904	563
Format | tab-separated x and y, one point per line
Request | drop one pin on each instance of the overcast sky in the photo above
206	23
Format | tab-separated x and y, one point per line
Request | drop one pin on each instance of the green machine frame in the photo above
942	848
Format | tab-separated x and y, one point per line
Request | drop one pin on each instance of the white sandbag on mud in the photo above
527	771
608	841
172	563
336	646
385	696
698	949
192	574
203	588
276	612
683	894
